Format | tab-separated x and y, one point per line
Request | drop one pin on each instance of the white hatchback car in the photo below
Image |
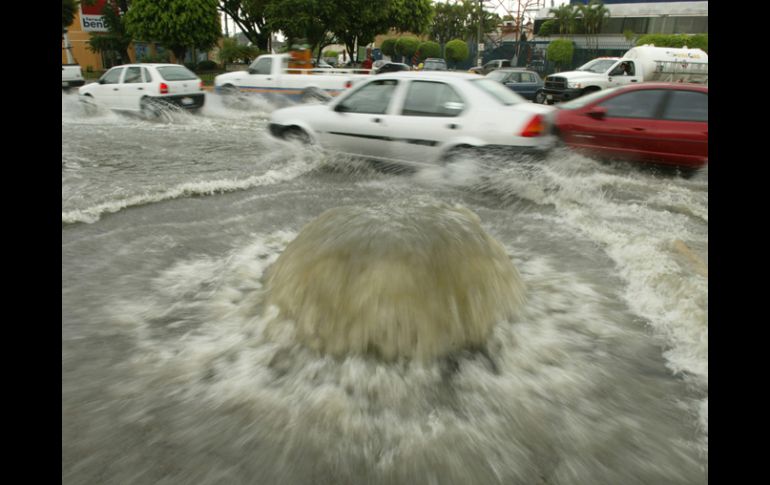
145	88
420	118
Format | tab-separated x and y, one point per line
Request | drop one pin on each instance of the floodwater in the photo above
175	372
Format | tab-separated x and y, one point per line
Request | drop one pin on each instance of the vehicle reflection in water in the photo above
170	230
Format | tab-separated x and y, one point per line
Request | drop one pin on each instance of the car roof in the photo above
433	74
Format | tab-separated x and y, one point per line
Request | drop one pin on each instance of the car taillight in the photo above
163	88
348	84
200	85
535	127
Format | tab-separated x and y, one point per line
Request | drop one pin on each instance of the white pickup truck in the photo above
645	63
71	76
270	75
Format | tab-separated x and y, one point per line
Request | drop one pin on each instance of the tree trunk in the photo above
179	53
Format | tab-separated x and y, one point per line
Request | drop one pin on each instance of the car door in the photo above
260	79
429	117
359	124
623	74
108	90
625	127
132	88
528	85
683	128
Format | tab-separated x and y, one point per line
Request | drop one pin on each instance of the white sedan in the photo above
420	118
145	88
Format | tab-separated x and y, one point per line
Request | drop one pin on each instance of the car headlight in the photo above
574	85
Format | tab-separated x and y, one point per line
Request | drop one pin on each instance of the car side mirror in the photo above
252	71
597	113
453	106
101	81
341	108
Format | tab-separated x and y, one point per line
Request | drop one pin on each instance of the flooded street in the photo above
173	371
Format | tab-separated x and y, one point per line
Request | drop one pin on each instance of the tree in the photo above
407	46
565	17
449	22
428	49
231	51
593	16
177	24
68	9
249	16
413	16
547	28
560	52
388	47
456	51
302	19
116	41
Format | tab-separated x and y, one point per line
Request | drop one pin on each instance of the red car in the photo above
659	123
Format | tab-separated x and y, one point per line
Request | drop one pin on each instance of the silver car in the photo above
420	118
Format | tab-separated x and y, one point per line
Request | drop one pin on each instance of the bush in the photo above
429	49
406	46
331	53
157	58
697	41
388	47
207	65
547	28
456	51
560	52
191	65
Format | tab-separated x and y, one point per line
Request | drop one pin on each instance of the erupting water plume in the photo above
393	282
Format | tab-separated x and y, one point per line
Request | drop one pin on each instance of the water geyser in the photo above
393	282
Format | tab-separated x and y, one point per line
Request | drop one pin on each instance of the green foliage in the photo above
161	58
331	53
68	9
115	42
249	16
456	51
429	49
388	47
697	41
548	27
177	24
307	20
231	52
413	16
565	17
560	51
406	46
207	65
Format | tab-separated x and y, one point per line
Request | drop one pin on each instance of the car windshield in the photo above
597	65
176	73
498	91
587	99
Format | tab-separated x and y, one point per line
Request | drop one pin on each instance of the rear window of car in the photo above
437	65
499	92
176	73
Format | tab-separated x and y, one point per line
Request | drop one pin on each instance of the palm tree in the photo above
593	15
565	16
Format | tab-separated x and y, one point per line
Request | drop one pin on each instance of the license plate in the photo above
549	96
187	101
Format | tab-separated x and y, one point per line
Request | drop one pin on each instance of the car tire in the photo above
462	152
540	97
296	134
150	108
314	95
88	105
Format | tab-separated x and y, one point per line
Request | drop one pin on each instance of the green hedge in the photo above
429	49
406	46
560	51
456	51
697	41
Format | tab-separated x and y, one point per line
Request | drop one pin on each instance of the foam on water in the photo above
554	400
642	222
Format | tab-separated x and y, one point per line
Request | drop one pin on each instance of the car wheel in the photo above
314	95
296	134
88	104
462	152
540	97
150	108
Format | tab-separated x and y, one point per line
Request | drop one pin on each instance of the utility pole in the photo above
68	48
478	35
